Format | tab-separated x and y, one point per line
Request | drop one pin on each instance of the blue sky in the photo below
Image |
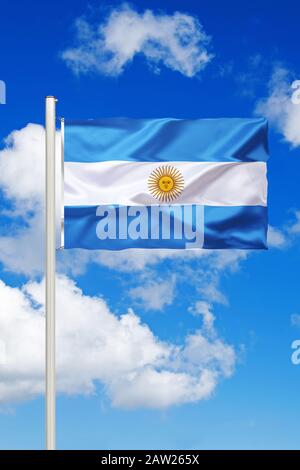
252	299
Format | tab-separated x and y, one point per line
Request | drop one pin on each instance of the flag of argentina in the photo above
165	183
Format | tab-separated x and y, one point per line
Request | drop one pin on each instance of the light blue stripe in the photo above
240	227
162	140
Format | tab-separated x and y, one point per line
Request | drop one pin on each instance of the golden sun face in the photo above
166	183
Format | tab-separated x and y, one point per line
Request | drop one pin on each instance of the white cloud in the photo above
177	41
216	355
21	250
22	180
139	259
276	238
160	389
155	295
204	309
23	155
93	344
279	109
209	289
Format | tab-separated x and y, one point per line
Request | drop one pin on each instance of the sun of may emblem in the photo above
166	183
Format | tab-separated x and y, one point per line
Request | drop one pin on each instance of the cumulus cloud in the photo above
155	295
136	368
159	389
276	238
176	41
204	309
137	260
279	108
22	181
23	148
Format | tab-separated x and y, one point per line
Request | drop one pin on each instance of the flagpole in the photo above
50	273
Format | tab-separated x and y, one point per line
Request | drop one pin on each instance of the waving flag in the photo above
165	183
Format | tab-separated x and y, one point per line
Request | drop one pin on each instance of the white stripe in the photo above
126	183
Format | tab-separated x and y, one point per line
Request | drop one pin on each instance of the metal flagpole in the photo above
50	272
